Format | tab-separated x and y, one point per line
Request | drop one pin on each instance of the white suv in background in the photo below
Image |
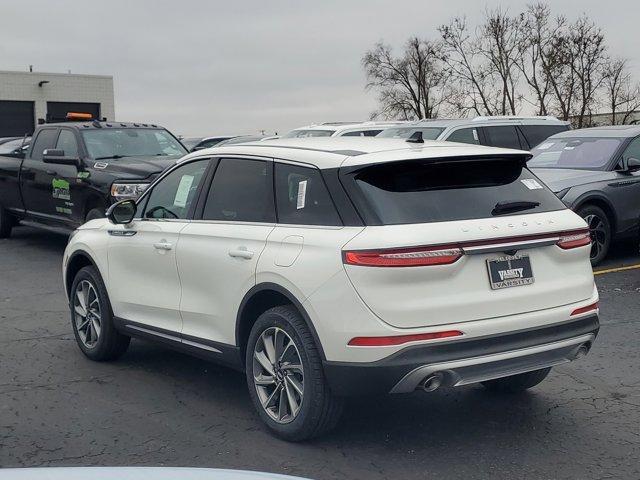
521	133
342	129
332	267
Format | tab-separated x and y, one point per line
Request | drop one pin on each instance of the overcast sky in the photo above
217	67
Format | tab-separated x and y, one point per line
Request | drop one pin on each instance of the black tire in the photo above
6	223
319	411
94	213
600	227
517	383
110	344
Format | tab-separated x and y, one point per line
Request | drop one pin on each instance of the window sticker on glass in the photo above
531	184
475	134
182	194
302	194
545	146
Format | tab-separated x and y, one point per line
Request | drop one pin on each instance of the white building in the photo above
26	97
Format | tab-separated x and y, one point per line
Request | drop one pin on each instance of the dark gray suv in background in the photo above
596	172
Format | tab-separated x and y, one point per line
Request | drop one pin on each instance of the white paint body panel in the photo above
196	287
213	282
413	297
143	280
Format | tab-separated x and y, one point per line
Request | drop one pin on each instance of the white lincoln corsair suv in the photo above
324	268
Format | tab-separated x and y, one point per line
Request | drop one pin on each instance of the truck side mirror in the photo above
57	157
122	213
631	164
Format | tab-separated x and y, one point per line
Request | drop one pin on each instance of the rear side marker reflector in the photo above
401	339
404	257
580	238
588	308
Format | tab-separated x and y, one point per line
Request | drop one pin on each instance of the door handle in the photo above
241	252
51	172
163	246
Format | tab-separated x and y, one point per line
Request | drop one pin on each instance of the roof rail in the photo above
496	118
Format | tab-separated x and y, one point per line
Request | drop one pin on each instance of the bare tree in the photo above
622	96
537	33
483	63
586	57
558	67
499	45
474	90
411	86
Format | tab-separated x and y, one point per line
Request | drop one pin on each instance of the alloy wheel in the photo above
278	375
87	313
598	233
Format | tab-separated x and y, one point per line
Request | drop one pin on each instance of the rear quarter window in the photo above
424	191
302	197
536	134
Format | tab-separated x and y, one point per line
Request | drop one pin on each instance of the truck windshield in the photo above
131	142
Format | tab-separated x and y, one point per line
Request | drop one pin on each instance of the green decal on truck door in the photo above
60	189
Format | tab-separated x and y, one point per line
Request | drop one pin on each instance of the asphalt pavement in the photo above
156	407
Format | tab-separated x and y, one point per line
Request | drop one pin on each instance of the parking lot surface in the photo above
158	407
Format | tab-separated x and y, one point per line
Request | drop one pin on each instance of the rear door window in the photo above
423	191
302	197
241	191
503	136
536	134
465	135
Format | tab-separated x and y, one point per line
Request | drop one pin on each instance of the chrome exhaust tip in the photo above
432	382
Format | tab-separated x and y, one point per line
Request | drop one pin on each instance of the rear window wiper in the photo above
513	206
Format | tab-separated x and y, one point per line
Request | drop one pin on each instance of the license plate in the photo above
510	271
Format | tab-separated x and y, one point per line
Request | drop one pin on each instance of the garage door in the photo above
16	118
57	111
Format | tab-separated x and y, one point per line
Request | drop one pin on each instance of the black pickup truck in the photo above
73	171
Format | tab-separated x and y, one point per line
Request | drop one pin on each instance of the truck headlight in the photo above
121	191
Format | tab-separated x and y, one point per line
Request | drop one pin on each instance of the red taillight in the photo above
588	308
401	339
404	257
579	238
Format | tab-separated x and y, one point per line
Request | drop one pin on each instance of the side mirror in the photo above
57	156
18	153
122	213
631	164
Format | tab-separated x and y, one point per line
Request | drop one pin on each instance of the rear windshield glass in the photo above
424	191
308	133
581	153
428	133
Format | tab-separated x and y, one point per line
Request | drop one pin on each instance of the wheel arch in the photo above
259	299
77	261
601	202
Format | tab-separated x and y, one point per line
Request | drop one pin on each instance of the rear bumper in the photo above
462	362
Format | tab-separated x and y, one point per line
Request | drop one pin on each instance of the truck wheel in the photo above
6	223
600	229
285	377
94	213
517	383
92	318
